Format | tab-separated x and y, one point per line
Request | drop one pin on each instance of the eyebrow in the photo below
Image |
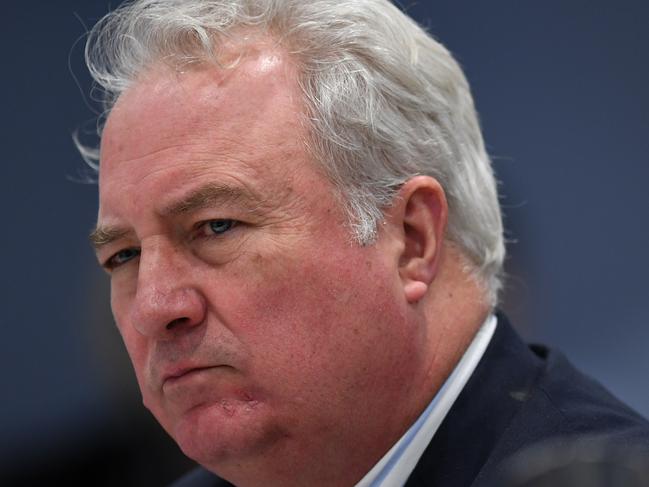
210	195
206	196
104	235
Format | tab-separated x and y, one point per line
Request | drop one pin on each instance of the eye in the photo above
121	258
218	227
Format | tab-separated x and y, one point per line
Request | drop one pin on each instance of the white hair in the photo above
385	101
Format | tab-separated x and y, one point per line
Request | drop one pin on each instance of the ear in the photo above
420	213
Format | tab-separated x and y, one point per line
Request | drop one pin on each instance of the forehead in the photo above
235	120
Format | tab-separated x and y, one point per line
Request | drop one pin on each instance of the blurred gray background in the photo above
562	89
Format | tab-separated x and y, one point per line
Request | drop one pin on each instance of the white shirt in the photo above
398	463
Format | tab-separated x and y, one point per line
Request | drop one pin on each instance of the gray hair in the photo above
385	101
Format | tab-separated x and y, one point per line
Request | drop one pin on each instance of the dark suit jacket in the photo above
517	396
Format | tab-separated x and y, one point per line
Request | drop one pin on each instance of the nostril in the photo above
176	323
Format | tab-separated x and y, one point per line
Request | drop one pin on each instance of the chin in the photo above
218	434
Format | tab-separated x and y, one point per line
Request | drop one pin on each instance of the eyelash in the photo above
111	263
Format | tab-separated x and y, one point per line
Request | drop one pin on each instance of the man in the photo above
305	246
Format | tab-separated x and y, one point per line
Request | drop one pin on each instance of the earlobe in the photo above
421	213
414	291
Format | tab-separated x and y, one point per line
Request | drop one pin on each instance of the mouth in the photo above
188	387
183	373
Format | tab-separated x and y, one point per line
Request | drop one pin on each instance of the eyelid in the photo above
109	265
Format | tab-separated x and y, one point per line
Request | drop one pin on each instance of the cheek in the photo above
136	344
138	347
122	293
310	321
282	297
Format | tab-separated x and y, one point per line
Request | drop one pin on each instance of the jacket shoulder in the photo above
566	407
518	397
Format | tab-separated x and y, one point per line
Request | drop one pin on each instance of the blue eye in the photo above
219	227
122	257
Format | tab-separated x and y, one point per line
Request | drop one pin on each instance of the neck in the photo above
454	309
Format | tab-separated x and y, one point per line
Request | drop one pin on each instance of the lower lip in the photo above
208	385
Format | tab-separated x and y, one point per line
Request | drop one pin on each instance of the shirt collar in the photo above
398	463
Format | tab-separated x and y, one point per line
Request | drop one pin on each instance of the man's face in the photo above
251	318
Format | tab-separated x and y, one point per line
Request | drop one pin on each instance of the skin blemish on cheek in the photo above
246	403
227	407
251	405
248	398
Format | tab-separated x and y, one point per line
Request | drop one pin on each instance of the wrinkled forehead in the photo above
249	85
173	127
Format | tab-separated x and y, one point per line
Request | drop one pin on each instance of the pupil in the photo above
220	226
128	254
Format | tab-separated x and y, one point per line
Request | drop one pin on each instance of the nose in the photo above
166	302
